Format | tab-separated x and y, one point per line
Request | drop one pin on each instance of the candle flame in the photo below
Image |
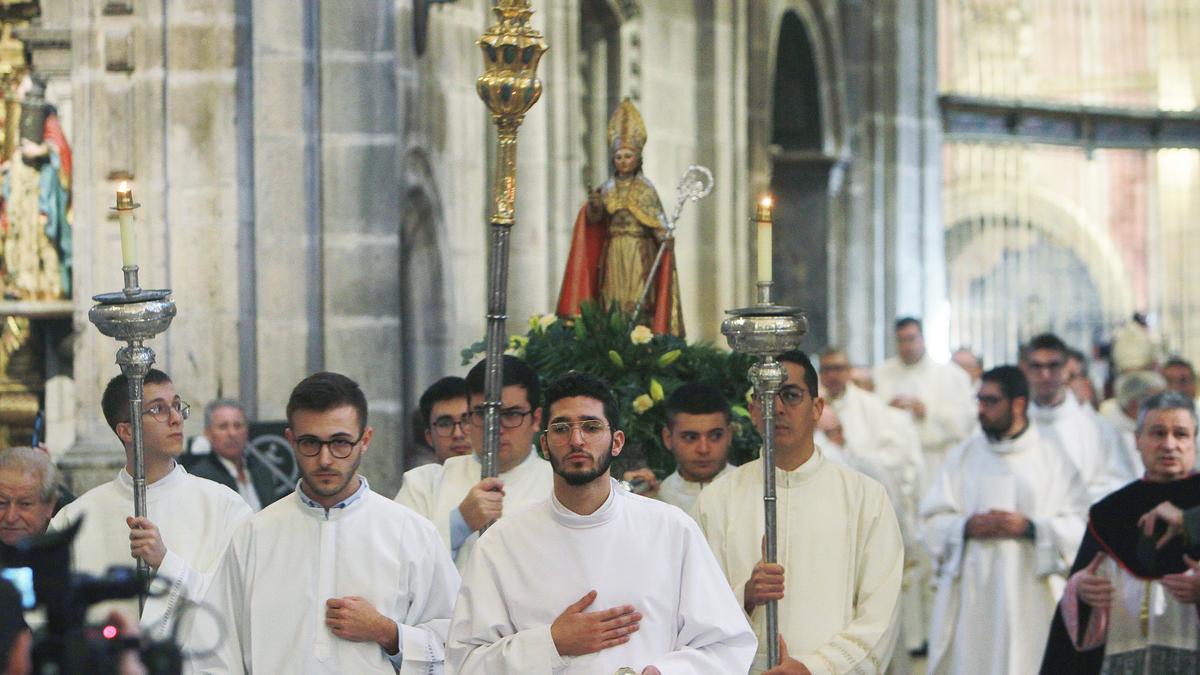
767	201
124	187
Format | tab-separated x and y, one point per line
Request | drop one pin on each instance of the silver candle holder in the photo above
765	330
133	316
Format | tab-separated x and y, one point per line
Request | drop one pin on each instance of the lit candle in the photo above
125	208
762	218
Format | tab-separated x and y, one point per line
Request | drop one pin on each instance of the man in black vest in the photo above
229	464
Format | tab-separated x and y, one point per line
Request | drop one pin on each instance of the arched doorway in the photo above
800	180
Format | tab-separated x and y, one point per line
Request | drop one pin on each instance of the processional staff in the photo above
133	315
509	87
765	330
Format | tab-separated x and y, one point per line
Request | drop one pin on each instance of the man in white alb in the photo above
594	578
458	502
698	433
1090	442
1002	522
188	519
333	578
444	413
840	551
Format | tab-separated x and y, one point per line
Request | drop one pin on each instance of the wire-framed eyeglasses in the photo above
559	433
161	410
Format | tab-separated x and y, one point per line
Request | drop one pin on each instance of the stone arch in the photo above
426	294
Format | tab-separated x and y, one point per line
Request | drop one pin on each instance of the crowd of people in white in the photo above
1000	522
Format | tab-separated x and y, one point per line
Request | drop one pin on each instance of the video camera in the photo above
40	568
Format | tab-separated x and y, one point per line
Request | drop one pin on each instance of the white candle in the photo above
125	216
762	218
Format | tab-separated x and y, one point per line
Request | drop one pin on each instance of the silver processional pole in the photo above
134	315
765	330
509	87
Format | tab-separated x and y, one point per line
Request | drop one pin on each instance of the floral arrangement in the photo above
643	370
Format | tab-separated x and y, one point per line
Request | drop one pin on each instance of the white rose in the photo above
641	335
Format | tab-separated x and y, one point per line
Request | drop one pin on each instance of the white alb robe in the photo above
996	597
682	493
281	567
195	517
949	400
434	493
634	551
1089	441
840	547
1125	434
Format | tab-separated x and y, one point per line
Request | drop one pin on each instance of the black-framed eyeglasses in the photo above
444	425
161	411
340	448
989	400
791	395
510	418
1051	366
559	433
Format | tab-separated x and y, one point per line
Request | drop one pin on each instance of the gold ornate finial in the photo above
625	128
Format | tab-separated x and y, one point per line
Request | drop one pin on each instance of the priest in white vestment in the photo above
1130	606
698	433
594	578
1121	410
333	578
453	496
1090	442
841	556
1001	521
938	396
188	519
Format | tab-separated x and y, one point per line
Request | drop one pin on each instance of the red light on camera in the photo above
109	632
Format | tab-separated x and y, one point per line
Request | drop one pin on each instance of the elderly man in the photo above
28	493
335	578
1002	521
1121	411
229	463
594	579
1130	604
971	364
839	612
937	395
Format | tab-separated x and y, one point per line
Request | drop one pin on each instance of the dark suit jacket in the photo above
268	490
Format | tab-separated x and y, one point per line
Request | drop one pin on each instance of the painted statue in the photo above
617	235
36	191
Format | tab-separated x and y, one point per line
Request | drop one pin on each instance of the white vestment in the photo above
996	597
1089	441
1124	431
681	493
281	567
434	493
530	567
949	400
194	516
840	547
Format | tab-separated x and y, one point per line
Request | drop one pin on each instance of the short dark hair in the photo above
445	389
1179	361
515	372
1078	355
576	383
908	321
697	398
801	359
1010	379
325	391
115	401
1165	400
1045	341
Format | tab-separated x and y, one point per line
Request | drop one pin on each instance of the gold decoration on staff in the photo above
509	87
766	330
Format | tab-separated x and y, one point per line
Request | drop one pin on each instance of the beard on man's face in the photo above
996	428
583	476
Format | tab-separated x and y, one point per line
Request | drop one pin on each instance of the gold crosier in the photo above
509	87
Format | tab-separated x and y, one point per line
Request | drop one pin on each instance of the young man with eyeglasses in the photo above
839	547
334	578
1002	520
1090	441
443	407
594	578
188	519
458	502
